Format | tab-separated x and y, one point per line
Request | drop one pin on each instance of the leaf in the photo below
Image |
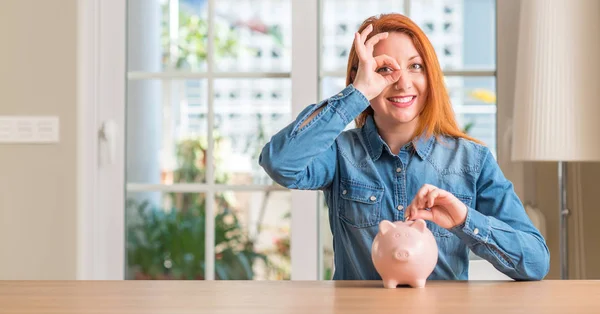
468	127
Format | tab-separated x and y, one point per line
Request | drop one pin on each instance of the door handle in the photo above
108	133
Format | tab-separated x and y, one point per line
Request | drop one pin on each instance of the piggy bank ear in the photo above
419	224
385	226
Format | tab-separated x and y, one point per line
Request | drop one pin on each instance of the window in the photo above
208	84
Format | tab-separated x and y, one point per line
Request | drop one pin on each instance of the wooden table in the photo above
305	297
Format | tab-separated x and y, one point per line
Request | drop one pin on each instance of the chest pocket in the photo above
360	204
441	232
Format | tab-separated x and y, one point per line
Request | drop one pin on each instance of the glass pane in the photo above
463	32
247	113
253	35
253	235
474	101
331	85
340	19
166	131
169	35
165	235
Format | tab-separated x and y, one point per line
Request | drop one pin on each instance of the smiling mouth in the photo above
402	102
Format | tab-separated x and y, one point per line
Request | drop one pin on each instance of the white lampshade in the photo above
557	90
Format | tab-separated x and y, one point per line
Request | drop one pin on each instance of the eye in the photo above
416	67
385	70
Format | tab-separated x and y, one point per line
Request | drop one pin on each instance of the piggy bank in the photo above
404	253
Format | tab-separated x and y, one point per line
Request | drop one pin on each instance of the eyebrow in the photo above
417	56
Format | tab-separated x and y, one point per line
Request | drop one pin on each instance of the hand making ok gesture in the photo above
369	80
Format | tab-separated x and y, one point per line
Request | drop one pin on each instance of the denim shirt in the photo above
365	183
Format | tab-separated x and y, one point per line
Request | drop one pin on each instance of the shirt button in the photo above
400	207
373	198
475	231
340	94
344	192
398	169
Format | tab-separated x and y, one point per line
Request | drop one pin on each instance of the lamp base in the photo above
563	213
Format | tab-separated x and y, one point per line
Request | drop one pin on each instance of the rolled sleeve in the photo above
475	229
353	106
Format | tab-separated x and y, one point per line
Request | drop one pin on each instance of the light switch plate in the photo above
29	129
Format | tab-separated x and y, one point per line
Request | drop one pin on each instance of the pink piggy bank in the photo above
404	253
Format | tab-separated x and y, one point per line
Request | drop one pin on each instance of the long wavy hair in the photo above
437	117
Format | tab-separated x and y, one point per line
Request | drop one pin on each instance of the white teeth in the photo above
401	99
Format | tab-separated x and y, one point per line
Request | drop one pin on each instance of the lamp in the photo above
557	92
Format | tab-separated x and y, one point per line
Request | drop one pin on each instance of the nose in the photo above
401	255
404	82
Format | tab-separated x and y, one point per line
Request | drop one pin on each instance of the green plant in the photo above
169	243
468	127
190	49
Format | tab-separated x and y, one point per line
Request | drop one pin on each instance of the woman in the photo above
407	159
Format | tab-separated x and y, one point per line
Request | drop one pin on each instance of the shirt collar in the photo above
422	144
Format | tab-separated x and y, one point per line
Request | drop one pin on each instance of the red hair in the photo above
437	117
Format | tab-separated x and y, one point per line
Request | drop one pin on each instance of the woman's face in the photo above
403	101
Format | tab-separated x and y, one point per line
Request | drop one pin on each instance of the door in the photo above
183	95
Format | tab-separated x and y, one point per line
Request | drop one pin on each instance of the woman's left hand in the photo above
445	209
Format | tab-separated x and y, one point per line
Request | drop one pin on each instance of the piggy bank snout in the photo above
402	255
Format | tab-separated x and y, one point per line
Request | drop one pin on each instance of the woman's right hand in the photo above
368	79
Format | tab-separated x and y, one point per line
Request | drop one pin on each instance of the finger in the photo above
422	193
365	33
393	77
359	47
432	196
411	211
360	43
408	212
413	204
374	40
409	208
414	213
422	214
382	60
424	190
